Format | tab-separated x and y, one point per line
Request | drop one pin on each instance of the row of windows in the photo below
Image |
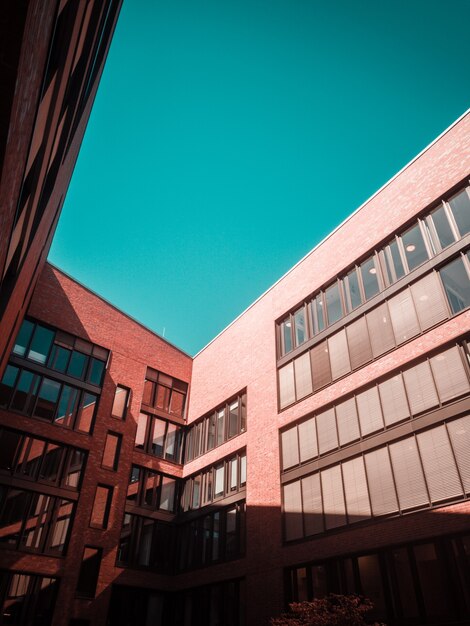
225	422
47	399
413	310
429	236
39	460
151	489
430	467
159	437
212	605
146	543
33	521
421	583
165	393
27	599
61	352
218	536
424	386
214	483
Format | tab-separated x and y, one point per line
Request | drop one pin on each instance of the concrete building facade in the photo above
319	443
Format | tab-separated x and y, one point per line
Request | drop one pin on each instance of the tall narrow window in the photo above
300	323
112	448
415	249
456	284
460	205
101	506
121	396
370	279
89	571
333	303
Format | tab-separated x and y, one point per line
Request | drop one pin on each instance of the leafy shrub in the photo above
333	610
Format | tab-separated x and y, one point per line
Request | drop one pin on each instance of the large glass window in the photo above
370	278
414	246
333	303
460	205
442	227
456	284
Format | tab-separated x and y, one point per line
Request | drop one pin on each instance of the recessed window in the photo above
112	448
101	506
89	571
286	335
40	344
23	338
300	322
120	402
318	314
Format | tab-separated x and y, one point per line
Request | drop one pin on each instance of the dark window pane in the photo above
77	365
456	284
371	583
460	205
23	338
396	258
40	345
96	371
47	399
404	578
167	497
333	304
62	526
300	323
353	293
86	412
25	389
415	250
9	444
7	385
51	464
286	335
369	278
432	580
59	358
441	224
211	432
74	469
89	570
67	407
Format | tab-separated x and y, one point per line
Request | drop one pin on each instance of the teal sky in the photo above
229	137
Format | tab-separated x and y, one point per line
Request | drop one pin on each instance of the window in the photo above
40	460
333	303
405	252
27	595
101	507
456	284
221	424
145	543
32	521
89	571
121	398
214	482
61	352
151	489
460	207
112	448
165	393
369	277
159	437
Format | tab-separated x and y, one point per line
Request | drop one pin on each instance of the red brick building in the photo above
319	443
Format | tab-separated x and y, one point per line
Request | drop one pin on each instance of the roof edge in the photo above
376	193
113	306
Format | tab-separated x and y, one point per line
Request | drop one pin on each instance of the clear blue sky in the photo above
229	137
